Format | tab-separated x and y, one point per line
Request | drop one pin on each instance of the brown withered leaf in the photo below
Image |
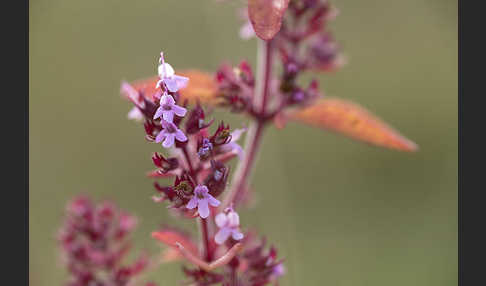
170	237
350	119
202	86
266	16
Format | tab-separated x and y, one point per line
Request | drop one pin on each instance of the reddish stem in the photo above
204	231
268	56
243	170
254	135
203	222
189	163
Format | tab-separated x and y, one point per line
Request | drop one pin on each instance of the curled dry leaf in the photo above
266	16
201	86
350	119
221	261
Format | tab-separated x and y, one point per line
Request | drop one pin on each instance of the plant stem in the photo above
252	144
189	163
255	131
205	235
202	222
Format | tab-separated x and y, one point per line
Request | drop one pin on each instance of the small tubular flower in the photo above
229	224
167	76
169	134
168	108
202	199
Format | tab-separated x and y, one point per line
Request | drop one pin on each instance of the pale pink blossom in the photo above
168	108
167	76
169	134
135	114
202	199
229	225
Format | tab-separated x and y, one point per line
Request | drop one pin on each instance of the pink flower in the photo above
229	224
168	108
277	271
167	76
246	31
202	199
132	94
135	114
169	134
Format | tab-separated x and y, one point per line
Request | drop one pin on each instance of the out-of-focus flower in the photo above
229	224
95	241
232	146
168	108
135	114
169	134
277	271
246	31
202	199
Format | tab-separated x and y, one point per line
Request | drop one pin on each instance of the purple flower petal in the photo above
221	220
135	114
203	208
159	112
179	111
168	115
237	235
234	147
192	203
169	140
171	84
165	70
222	235
167	99
165	124
212	201
180	136
160	136
181	81
236	134
233	219
202	189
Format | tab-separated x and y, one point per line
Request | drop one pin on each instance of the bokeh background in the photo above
341	212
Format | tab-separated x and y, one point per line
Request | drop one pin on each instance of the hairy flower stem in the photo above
255	131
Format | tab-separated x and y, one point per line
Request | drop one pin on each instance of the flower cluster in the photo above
196	155
303	44
197	164
94	240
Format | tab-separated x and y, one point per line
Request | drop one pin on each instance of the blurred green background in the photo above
340	212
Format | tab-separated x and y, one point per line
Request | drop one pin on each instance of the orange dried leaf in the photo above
350	119
201	86
171	237
146	87
266	16
171	254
